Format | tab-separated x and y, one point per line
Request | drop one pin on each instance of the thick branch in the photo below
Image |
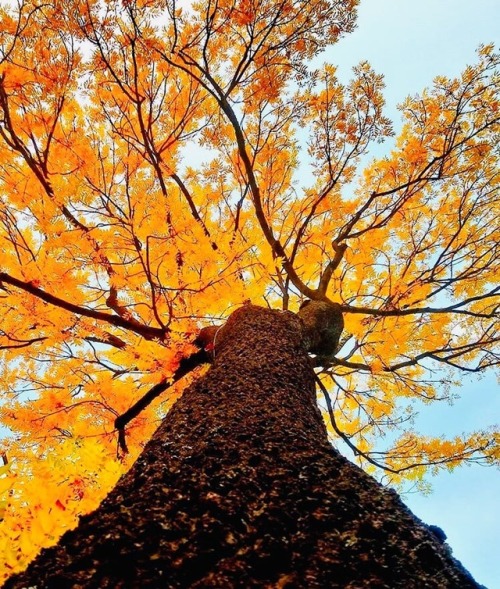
109	340
454	308
276	246
187	364
192	206
145	331
324	281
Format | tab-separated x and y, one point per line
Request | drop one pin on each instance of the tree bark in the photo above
239	487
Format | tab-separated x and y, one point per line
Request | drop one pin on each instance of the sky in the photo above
411	43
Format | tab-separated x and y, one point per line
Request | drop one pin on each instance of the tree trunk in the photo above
239	487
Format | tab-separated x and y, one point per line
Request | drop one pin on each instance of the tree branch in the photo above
324	281
464	455
205	341
454	308
145	331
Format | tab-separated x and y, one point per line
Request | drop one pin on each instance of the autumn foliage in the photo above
160	166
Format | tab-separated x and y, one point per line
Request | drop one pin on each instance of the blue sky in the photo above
410	43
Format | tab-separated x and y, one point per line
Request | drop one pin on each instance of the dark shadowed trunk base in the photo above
239	487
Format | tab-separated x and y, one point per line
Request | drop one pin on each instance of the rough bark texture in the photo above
239	487
323	324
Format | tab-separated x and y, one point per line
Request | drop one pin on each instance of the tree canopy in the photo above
160	164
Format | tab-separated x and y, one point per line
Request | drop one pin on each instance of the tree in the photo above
239	487
149	185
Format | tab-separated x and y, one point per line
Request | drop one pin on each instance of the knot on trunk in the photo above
323	325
